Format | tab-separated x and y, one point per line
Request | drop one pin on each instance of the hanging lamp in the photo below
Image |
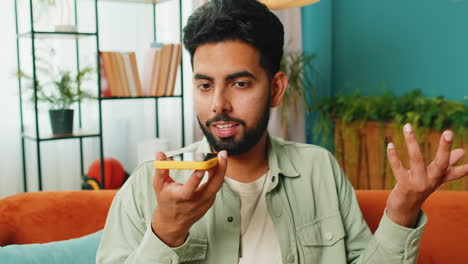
283	4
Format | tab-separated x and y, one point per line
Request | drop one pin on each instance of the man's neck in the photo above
248	167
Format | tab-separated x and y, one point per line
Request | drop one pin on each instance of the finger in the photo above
455	173
160	175
455	156
189	188
395	163
416	158
442	158
211	172
216	178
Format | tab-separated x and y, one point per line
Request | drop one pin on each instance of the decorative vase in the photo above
61	121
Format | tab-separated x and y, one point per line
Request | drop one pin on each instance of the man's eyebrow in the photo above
241	74
199	76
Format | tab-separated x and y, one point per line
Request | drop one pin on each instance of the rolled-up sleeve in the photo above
390	244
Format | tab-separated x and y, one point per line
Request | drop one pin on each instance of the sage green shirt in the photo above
311	202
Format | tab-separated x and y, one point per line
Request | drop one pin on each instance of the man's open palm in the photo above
415	184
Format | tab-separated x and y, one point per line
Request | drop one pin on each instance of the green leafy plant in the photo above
299	68
59	89
423	112
63	90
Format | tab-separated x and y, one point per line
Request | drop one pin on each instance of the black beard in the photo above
247	141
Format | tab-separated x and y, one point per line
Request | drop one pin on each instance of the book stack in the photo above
161	66
119	75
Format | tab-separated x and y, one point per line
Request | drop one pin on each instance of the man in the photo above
270	201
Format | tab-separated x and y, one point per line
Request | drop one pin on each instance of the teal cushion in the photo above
79	250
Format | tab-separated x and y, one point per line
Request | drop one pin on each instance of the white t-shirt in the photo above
259	243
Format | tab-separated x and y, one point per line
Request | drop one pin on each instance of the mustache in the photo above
224	118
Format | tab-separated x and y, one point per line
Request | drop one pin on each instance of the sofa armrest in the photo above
40	217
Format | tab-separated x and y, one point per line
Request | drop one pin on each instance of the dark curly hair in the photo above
245	20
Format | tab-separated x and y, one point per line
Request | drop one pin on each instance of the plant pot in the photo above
61	121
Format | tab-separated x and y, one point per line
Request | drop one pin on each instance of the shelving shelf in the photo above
50	137
139	97
56	34
138	1
33	135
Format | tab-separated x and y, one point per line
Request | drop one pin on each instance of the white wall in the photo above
123	27
10	164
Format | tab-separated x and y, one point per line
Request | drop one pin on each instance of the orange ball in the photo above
114	173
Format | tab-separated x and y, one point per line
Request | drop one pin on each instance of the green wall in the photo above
317	38
418	44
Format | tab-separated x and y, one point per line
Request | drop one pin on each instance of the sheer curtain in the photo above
291	19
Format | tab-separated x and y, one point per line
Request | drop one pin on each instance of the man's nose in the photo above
221	102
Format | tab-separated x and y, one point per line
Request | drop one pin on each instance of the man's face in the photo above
232	95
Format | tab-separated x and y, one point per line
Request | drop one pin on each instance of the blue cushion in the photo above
79	250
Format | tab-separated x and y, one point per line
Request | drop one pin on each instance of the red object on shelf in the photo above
114	173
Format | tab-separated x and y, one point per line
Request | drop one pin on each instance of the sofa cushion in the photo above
78	250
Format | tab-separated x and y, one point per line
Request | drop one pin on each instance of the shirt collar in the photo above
279	160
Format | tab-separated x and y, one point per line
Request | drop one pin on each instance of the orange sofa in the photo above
51	216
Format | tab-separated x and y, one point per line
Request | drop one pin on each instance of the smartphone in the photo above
188	161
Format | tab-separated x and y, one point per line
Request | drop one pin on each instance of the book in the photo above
161	67
174	66
156	71
116	77
136	73
132	89
166	53
105	89
148	71
151	71
125	75
120	73
110	76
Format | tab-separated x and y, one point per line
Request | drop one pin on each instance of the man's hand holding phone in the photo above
181	205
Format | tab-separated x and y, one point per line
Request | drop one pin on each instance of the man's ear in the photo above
278	87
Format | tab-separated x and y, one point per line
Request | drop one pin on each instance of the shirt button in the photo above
291	259
230	219
328	236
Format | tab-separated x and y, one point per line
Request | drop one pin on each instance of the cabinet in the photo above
30	33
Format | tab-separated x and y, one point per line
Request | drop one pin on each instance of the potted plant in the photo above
364	125
300	71
60	93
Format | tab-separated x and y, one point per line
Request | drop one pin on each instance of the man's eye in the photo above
204	86
241	84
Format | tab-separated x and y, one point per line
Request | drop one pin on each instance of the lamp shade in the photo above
282	4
